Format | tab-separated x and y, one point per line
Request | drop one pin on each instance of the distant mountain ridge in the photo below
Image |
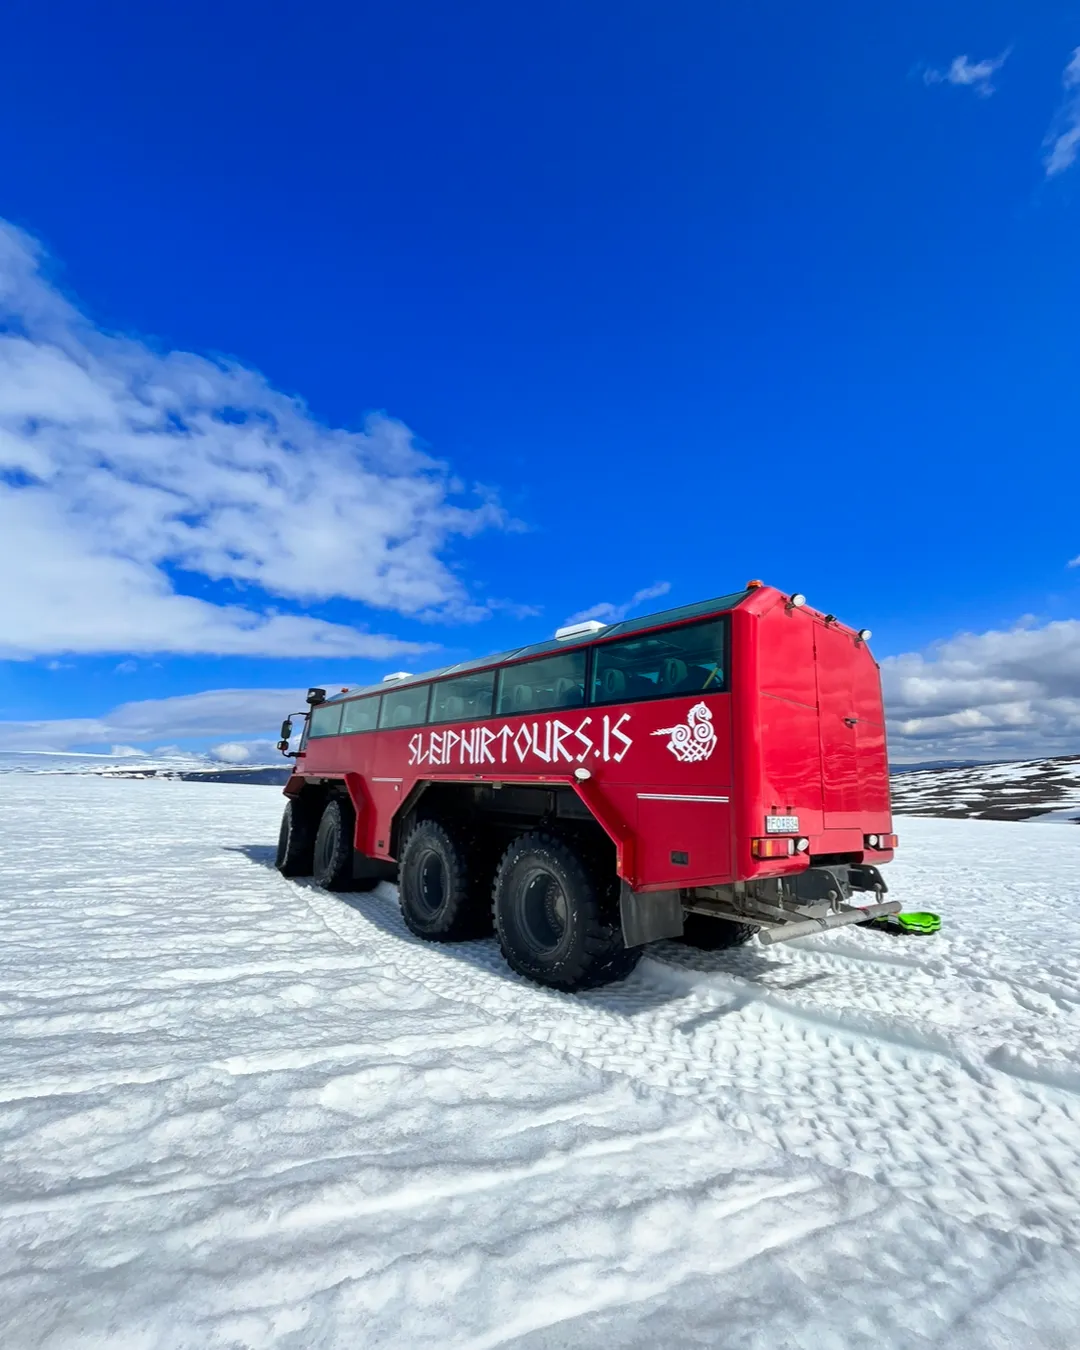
941	764
186	767
1033	789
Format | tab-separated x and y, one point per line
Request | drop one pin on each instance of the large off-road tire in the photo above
439	879
333	859
715	935
557	915
296	842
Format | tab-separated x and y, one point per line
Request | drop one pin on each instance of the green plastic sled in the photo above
915	921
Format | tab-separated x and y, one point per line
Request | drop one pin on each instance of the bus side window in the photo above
467	696
687	660
540	686
325	720
404	707
361	714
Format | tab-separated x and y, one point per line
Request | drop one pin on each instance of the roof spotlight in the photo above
865	635
796	602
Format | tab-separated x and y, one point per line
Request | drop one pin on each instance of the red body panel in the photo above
801	733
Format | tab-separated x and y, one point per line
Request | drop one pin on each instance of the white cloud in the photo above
606	612
234	713
232	752
121	466
1074	562
1009	693
975	75
1062	142
260	751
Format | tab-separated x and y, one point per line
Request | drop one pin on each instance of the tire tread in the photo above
715	935
338	875
296	841
600	957
465	917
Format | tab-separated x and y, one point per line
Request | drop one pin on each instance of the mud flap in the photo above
649	915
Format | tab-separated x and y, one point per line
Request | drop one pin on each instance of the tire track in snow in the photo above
913	1117
1010	1023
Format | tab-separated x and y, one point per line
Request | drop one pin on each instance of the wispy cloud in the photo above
1074	562
606	612
129	476
975	75
1062	141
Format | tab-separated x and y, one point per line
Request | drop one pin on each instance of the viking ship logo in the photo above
693	739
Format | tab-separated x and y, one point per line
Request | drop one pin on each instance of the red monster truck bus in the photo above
709	773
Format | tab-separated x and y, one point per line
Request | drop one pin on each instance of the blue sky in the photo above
343	338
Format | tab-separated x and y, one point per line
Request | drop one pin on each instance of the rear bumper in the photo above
813	901
786	930
850	844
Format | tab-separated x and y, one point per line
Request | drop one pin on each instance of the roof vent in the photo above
573	630
398	675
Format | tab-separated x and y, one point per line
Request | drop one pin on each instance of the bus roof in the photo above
621	629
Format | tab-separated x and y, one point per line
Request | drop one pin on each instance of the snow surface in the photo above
237	1111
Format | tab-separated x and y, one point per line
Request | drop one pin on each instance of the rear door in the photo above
871	752
851	728
838	722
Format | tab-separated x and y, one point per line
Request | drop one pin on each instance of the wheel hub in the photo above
431	882
544	911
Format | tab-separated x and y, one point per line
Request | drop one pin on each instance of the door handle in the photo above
850	721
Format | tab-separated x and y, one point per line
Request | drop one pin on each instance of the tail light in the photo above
882	841
772	848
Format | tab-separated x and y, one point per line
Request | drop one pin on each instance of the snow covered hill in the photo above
1038	789
236	1111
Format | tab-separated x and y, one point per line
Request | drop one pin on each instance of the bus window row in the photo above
687	660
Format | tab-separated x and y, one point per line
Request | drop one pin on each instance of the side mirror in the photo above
286	729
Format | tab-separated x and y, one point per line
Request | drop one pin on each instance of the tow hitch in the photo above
783	908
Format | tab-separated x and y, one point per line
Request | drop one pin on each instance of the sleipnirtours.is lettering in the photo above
552	741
